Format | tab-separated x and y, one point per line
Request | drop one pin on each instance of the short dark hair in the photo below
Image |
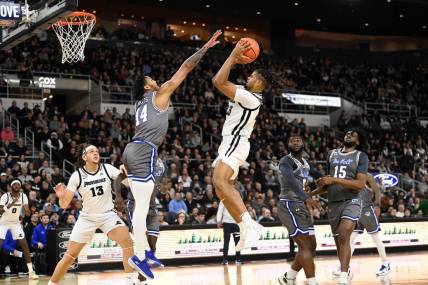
266	77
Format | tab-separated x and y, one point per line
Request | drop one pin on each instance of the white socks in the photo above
30	267
142	192
343	278
380	247
291	273
311	281
246	218
52	283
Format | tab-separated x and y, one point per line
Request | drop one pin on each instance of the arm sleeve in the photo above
220	212
286	169
24	199
246	98
3	200
363	163
112	171
74	182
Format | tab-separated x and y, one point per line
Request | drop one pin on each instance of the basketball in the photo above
251	54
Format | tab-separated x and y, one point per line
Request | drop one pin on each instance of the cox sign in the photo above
387	180
47	82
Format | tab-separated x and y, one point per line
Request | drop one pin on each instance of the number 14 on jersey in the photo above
141	115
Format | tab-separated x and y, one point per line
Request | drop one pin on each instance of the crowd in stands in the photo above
186	194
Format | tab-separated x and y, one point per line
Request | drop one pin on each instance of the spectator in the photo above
14	109
71	220
12	256
190	203
266	217
181	218
38	239
7	134
177	205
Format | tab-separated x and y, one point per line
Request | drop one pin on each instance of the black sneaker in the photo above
225	262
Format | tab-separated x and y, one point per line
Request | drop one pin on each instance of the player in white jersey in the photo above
243	109
11	205
93	182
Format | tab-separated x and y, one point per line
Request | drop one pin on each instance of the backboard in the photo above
35	17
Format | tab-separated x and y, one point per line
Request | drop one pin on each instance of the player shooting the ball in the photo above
244	106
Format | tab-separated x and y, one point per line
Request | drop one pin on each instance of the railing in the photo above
50	74
181	105
406	183
198	128
283	105
24	92
116	94
403	110
48	153
9	120
29	139
65	172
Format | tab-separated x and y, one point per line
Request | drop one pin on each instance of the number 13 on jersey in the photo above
141	115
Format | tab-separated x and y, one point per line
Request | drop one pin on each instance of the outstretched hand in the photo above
240	48
213	40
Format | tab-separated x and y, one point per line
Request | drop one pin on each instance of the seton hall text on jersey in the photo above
88	183
342	161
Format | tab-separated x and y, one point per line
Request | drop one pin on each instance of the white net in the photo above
72	33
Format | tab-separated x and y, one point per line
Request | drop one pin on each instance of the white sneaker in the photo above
384	269
348	279
283	280
336	272
249	235
33	276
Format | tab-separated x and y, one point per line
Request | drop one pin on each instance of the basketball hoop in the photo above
72	32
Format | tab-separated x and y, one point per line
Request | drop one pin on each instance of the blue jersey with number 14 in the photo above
151	124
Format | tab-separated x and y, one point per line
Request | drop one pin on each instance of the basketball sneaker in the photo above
336	272
384	269
283	280
344	280
152	260
141	266
249	235
225	262
33	276
239	262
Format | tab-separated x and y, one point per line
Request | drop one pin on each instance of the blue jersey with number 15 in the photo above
151	124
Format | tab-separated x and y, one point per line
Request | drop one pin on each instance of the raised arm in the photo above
221	79
64	195
165	91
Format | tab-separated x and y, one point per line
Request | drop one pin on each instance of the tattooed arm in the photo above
165	91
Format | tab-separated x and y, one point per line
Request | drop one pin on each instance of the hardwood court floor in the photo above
409	268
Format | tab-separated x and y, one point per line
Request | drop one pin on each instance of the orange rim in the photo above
77	18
